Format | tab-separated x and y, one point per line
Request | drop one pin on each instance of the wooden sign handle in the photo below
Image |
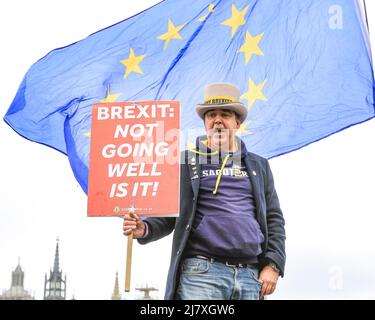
128	262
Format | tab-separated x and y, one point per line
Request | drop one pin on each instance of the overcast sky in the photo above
326	189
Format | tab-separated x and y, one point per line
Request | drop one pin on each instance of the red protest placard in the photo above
135	159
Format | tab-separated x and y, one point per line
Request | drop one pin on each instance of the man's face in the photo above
221	125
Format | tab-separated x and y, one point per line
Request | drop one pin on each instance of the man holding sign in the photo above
229	239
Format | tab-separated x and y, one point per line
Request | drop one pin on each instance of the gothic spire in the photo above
55	285
56	263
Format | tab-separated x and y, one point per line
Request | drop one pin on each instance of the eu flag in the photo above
303	67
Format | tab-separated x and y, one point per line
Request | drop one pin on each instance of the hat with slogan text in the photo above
222	96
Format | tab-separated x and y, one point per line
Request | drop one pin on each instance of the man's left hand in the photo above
269	278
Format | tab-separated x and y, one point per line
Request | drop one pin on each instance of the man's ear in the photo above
238	123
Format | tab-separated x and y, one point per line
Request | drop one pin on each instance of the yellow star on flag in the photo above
132	63
236	20
172	33
243	129
251	46
210	9
110	97
254	93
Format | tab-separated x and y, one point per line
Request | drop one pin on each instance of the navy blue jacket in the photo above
268	215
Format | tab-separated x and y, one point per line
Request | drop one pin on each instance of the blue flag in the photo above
303	67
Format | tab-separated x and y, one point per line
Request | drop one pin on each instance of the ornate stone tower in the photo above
116	291
55	286
17	291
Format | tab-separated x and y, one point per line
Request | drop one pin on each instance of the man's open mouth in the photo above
219	130
219	133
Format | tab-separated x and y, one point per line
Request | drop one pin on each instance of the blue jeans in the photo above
201	279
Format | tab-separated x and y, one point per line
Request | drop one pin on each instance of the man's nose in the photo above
218	119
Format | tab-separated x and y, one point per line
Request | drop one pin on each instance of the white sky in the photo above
326	189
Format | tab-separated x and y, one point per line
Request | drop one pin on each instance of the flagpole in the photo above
364	5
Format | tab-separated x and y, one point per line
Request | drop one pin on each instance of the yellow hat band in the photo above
219	99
